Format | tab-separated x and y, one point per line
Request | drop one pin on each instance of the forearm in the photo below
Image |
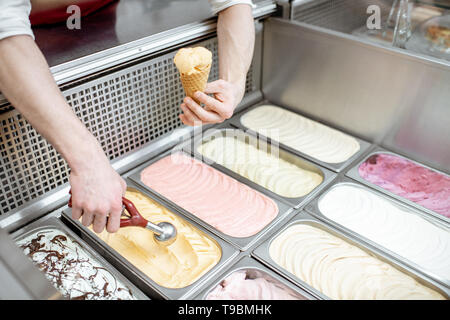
26	81
236	33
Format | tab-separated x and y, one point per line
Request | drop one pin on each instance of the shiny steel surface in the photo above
261	253
384	95
141	280
313	208
242	244
256	269
353	173
118	23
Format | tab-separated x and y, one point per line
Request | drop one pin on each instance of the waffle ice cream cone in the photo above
194	65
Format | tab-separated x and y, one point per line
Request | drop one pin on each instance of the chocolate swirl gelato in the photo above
71	269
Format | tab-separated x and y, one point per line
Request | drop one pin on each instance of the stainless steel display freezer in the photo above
127	92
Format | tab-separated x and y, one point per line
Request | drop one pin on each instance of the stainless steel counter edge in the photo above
56	223
336	167
297	202
243	262
313	209
144	282
112	57
353	173
261	253
241	243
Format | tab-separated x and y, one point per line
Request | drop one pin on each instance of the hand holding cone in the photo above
194	65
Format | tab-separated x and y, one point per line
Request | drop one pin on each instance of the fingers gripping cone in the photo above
194	65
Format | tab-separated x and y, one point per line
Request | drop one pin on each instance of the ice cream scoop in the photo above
164	232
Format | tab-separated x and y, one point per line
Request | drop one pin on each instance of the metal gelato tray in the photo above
262	254
354	174
336	167
54	223
255	269
144	282
242	243
313	208
191	147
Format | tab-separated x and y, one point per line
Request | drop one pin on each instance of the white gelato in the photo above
395	228
302	134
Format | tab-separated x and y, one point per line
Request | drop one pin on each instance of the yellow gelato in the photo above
175	266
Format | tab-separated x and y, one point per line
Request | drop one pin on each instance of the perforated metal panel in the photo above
124	110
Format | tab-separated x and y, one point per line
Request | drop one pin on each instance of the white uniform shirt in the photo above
14	15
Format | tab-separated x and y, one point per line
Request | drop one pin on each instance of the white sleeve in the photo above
14	18
219	5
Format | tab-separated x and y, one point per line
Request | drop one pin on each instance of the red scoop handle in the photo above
136	220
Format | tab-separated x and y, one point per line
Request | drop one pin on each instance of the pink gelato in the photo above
238	286
226	204
404	178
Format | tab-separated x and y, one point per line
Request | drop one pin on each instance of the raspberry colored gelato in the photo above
409	180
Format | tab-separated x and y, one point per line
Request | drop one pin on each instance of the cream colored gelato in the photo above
341	270
260	166
310	137
395	228
175	266
192	60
